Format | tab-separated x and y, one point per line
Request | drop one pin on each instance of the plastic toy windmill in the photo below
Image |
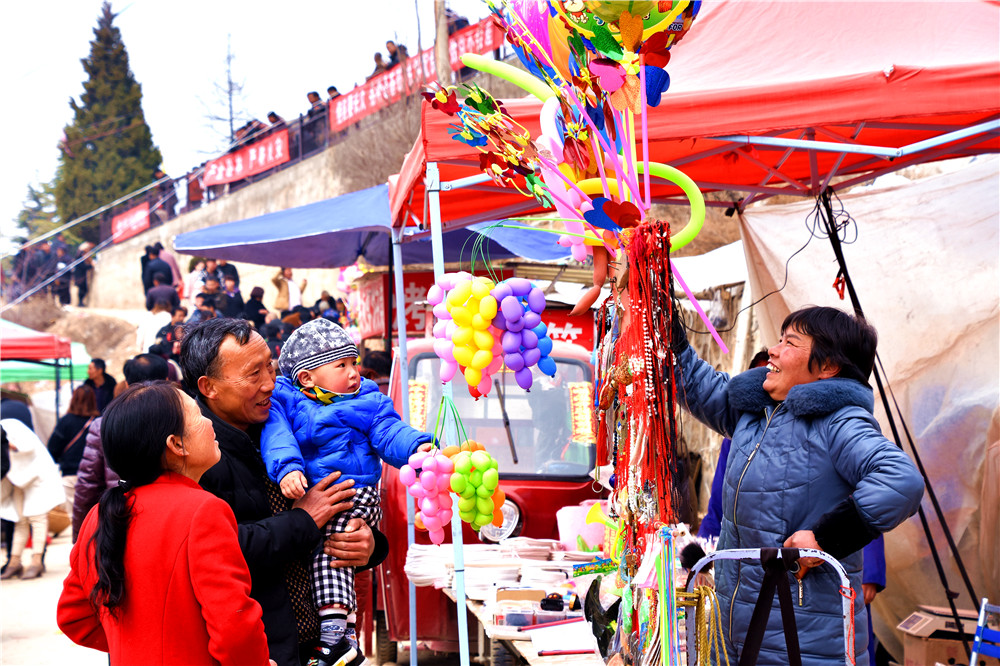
599	67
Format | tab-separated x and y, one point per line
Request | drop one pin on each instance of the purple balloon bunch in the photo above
524	338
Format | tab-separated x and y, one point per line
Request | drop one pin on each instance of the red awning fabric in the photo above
872	74
18	342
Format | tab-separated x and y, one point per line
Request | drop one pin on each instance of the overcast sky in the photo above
177	51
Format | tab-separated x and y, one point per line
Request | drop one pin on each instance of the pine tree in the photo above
38	215
108	149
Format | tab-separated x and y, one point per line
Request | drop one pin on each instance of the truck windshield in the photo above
552	425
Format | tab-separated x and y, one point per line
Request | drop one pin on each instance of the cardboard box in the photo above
930	636
519	594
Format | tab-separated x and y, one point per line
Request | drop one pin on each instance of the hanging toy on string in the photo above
427	477
464	337
524	338
476	481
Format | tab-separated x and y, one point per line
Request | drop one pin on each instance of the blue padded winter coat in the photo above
349	436
790	464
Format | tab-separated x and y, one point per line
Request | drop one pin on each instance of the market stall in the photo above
803	119
28	355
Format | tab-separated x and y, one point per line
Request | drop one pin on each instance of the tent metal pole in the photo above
981	128
57	388
827	146
404	385
888	153
433	189
463	182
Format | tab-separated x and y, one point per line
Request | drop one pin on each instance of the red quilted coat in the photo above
187	588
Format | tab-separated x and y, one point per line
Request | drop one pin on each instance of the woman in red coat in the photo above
157	576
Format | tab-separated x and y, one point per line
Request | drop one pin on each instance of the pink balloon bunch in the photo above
524	339
464	338
427	477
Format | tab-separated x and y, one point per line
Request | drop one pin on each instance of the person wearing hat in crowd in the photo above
325	417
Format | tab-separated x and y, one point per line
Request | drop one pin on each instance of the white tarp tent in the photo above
925	266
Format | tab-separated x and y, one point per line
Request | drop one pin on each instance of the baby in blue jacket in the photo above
325	417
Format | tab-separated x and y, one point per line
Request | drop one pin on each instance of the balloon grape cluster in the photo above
467	470
427	477
483	326
476	481
524	339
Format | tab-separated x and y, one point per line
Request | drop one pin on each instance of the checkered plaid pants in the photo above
336	586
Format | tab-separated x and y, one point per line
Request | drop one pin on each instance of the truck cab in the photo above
545	447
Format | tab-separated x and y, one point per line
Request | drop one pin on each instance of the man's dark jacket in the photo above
104	393
269	542
152	267
163	292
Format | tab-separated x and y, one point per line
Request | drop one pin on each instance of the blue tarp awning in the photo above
336	232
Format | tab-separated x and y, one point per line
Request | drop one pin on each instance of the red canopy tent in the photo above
18	343
777	98
23	344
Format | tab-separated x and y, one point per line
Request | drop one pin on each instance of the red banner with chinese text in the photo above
251	159
128	224
411	76
481	37
374	295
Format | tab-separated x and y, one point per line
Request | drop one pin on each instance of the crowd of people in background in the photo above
52	266
212	290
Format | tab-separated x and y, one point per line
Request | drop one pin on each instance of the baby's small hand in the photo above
426	446
293	485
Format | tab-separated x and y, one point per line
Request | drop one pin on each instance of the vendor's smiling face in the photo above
788	364
239	389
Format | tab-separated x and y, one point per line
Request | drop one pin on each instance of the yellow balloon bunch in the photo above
472	309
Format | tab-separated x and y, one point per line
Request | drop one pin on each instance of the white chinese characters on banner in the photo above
412	76
371	311
565	333
257	157
128	224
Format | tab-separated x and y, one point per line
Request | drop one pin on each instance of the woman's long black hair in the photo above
134	431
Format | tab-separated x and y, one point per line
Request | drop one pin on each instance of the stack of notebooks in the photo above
524	562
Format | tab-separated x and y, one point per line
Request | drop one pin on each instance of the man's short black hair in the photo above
182	310
332	89
379	361
211	278
838	338
99	363
160	278
207	301
201	343
145	368
305	314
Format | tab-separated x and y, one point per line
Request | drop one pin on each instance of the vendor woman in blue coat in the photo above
808	468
